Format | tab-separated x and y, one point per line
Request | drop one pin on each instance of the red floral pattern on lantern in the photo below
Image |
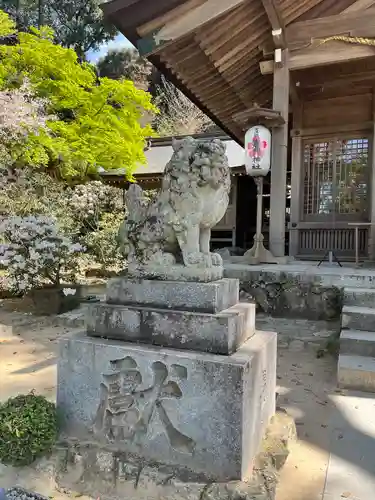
256	148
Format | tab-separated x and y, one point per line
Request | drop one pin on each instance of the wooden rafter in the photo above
211	49
131	12
175	27
168	17
111	7
359	5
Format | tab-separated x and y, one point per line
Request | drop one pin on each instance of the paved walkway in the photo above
351	469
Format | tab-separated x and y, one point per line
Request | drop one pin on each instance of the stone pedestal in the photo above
196	401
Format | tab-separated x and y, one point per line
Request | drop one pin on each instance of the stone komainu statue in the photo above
169	237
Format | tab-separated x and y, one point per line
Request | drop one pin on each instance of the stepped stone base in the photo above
183	296
204	412
203	317
220	333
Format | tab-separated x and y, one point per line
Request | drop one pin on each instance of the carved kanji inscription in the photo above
127	408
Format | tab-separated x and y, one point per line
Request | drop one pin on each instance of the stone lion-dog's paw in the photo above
216	259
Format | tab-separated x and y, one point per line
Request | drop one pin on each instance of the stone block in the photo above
357	342
363	297
168	271
220	333
356	372
358	318
198	412
181	295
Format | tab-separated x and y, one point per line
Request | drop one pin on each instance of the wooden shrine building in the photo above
305	68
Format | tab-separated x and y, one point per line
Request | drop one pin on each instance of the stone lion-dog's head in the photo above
198	163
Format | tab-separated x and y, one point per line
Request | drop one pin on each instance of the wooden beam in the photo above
184	24
359	5
168	17
328	53
362	22
335	80
345	127
266	67
126	14
278	28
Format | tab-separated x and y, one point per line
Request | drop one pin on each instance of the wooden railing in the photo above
315	241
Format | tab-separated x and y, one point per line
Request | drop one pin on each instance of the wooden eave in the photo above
216	60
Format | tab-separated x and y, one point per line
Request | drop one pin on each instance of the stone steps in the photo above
357	342
356	372
358	318
356	366
359	296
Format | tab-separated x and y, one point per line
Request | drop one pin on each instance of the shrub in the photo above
35	252
102	243
99	211
28	429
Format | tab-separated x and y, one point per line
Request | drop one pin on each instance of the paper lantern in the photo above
257	151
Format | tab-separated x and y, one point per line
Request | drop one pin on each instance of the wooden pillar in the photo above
234	209
279	160
296	184
371	191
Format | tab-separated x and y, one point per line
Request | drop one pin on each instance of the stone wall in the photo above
287	295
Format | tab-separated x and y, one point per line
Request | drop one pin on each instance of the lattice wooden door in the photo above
335	192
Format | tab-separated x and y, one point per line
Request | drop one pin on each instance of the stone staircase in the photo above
356	367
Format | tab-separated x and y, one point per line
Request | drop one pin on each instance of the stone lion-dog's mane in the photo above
204	171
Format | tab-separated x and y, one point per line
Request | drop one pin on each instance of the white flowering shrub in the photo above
21	113
35	253
90	200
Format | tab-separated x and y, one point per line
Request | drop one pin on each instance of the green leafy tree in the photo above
78	24
126	64
98	120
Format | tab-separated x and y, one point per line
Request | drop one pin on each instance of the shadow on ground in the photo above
334	426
